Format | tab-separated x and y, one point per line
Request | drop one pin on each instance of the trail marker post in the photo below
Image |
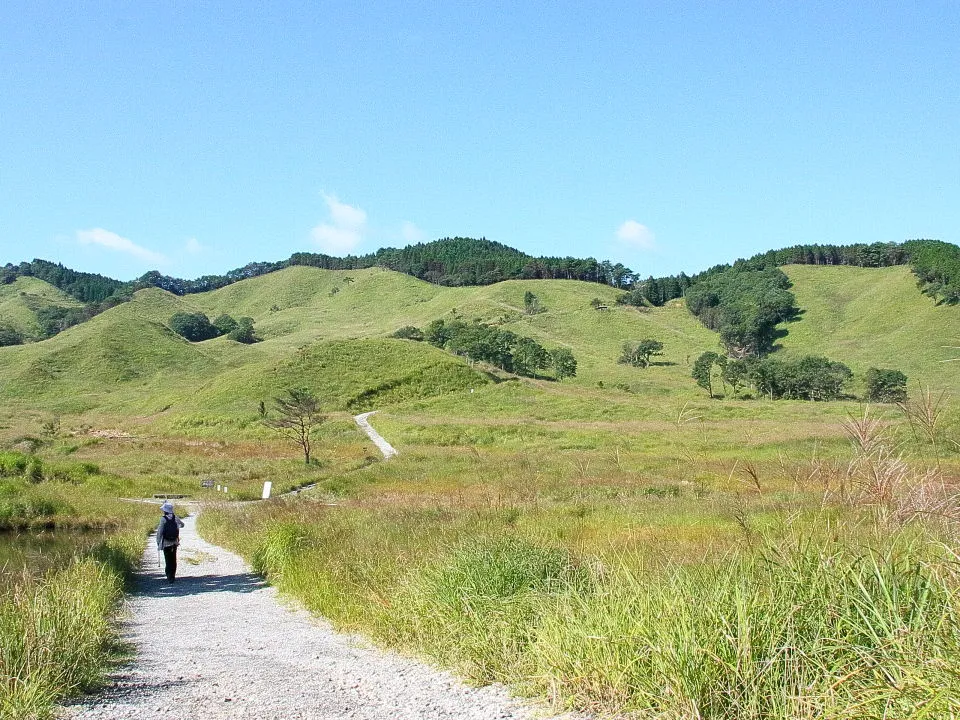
267	486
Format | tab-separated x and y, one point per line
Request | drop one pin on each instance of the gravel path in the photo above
386	448
217	645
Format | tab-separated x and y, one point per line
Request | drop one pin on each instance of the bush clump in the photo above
195	327
408	332
13	464
886	386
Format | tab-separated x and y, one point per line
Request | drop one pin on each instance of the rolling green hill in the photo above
874	317
21	299
328	330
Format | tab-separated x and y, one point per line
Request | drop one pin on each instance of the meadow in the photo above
616	542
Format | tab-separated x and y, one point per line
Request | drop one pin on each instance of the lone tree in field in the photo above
703	370
297	415
531	304
639	354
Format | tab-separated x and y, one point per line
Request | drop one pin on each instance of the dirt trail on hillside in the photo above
363	422
217	645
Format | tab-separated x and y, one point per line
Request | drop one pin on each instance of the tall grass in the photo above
53	636
56	631
824	619
805	631
477	609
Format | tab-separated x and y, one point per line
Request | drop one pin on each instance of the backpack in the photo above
171	531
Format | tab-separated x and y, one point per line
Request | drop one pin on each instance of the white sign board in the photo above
266	489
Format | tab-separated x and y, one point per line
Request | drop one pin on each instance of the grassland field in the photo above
617	541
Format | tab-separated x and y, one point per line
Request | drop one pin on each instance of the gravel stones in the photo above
217	645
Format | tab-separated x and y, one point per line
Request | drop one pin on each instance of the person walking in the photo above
168	539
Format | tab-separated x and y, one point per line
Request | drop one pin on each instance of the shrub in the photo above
639	353
886	386
408	332
225	324
13	464
243	332
34	471
10	336
195	327
20	506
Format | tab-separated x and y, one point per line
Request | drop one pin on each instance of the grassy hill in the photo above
21	299
328	330
874	317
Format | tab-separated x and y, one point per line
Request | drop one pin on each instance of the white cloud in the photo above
636	235
193	246
112	241
411	233
344	232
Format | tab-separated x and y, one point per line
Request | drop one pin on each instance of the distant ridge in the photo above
330	331
461	261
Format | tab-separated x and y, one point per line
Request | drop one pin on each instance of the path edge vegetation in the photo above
851	611
59	629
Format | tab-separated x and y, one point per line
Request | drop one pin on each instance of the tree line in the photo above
807	378
96	292
457	261
470	261
935	263
85	287
501	348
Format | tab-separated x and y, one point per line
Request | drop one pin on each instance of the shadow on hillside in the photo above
154	584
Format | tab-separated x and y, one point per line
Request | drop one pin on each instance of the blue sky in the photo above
192	139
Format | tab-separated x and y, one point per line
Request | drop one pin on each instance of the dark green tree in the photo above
408	332
10	336
531	304
886	386
195	327
703	370
297	414
639	353
225	324
243	332
437	333
736	373
529	357
564	363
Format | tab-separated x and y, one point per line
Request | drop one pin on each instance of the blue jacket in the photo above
163	521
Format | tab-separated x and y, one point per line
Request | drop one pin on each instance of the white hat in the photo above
167	507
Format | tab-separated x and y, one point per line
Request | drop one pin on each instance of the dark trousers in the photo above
170	562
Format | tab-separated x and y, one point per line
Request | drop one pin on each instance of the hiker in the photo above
168	538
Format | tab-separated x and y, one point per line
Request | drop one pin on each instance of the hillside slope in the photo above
874	317
21	299
328	330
